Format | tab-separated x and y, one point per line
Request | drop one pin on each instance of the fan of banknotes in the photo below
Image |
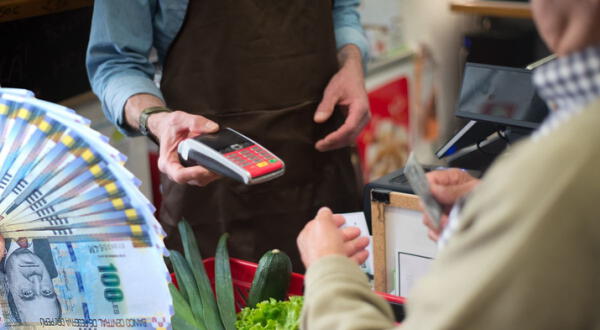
83	249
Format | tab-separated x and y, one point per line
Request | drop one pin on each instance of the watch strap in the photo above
143	120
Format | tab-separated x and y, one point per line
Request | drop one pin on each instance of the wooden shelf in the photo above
511	9
11	10
395	59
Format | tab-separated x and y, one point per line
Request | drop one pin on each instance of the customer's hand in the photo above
347	88
171	128
323	236
447	187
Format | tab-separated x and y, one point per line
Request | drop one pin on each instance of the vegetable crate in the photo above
242	274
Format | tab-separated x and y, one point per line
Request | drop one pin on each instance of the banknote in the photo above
104	216
61	172
82	174
30	151
21	120
67	115
83	248
16	91
82	285
415	174
137	234
81	191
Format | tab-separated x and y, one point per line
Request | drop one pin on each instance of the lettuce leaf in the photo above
271	315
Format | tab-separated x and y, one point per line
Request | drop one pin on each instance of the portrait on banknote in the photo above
27	271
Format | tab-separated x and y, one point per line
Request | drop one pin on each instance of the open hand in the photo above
323	236
346	88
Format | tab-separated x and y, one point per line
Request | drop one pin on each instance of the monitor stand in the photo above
473	132
481	154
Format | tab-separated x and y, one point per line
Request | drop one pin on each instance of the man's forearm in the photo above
349	55
134	107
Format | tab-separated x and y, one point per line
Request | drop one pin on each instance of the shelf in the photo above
398	57
11	10
510	9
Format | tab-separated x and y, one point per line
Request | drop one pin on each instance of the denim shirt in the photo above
123	34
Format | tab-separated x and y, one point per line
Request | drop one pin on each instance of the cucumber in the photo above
272	278
224	285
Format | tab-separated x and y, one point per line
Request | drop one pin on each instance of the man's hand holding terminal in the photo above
170	128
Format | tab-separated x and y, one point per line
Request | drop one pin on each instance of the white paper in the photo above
410	268
357	219
406	234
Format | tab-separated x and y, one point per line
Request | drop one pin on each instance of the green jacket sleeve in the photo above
338	296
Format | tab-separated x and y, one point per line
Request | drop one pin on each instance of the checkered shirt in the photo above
568	84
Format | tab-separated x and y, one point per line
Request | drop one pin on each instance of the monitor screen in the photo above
500	95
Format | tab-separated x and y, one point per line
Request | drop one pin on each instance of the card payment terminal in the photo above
229	153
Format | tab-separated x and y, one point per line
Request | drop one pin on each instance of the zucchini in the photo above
188	284
210	311
224	285
272	278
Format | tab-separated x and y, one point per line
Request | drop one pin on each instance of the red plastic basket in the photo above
242	274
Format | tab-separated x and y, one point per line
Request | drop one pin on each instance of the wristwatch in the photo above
143	120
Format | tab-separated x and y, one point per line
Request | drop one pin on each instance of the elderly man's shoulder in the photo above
552	173
569	150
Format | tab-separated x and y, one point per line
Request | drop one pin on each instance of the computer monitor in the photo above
494	98
500	95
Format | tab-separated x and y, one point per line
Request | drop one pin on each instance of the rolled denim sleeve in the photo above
347	26
117	57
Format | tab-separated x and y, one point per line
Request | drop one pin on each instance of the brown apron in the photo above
258	66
